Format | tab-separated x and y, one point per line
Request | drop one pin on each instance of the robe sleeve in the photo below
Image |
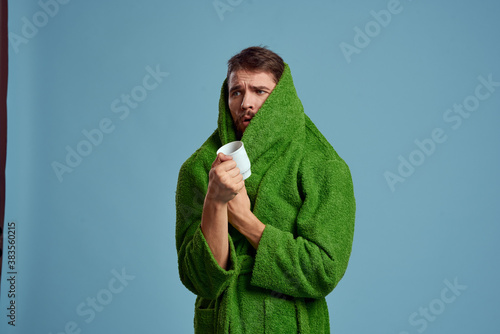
312	262
198	269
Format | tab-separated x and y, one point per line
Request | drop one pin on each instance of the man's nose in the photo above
248	102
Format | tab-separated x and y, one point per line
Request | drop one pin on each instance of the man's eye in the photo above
236	93
260	92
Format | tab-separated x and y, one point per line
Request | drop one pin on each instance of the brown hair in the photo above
258	59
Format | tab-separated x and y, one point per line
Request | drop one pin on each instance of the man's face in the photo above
247	92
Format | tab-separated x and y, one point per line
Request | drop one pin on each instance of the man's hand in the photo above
225	180
238	207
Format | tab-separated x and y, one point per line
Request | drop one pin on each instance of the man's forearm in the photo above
250	226
215	229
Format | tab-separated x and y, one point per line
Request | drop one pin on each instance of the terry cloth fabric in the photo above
302	191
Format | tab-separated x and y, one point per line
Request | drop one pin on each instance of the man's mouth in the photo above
247	120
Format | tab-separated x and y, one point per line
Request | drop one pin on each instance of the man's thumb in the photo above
218	160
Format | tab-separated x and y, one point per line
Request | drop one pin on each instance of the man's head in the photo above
252	75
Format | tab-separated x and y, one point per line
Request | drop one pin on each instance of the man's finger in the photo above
224	157
244	188
234	172
241	185
221	157
216	162
228	165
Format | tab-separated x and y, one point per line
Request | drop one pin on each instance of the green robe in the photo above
302	191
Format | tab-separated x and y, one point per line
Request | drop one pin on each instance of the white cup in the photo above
236	149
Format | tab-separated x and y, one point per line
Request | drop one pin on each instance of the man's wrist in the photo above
214	203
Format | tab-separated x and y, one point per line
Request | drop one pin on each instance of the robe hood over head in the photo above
279	123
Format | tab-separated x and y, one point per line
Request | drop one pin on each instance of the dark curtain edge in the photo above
4	67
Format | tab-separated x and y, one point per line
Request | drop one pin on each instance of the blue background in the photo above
115	209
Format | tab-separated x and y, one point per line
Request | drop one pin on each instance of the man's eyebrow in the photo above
235	88
260	87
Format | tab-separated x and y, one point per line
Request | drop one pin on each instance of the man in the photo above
262	254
